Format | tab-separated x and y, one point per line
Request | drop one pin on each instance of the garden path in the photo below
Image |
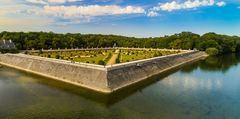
113	58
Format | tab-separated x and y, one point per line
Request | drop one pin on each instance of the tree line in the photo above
211	42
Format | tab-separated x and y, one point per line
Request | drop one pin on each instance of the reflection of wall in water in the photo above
214	63
193	82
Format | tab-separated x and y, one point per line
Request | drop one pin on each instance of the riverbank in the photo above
105	79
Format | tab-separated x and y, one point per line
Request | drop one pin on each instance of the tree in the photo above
212	51
184	40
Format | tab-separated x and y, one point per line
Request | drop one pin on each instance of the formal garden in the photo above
104	56
132	55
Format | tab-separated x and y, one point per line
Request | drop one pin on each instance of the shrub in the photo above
118	59
101	62
9	51
212	51
155	54
57	56
26	52
40	52
108	57
160	54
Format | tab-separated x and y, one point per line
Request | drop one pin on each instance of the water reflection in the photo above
215	63
191	82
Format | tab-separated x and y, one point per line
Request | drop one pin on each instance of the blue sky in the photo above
139	18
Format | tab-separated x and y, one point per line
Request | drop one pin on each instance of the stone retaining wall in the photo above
92	77
96	77
127	74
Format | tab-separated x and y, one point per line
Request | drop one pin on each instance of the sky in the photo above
137	18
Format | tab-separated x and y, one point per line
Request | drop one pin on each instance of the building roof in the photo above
6	44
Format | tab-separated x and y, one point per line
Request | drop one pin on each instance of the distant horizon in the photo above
120	34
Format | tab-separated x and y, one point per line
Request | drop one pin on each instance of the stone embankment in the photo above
125	74
104	79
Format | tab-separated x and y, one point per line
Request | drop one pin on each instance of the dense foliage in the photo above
184	40
212	51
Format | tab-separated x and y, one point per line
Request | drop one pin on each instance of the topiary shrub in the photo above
26	52
212	51
101	62
108	57
155	54
160	54
117	60
57	56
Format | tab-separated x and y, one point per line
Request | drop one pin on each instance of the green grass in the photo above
132	55
87	56
96	56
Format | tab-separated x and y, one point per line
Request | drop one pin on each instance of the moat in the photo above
207	89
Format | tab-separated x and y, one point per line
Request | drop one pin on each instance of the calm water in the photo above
208	89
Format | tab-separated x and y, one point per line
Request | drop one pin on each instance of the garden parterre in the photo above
102	56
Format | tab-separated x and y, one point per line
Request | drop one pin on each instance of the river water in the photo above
207	89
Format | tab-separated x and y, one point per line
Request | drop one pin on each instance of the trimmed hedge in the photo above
9	51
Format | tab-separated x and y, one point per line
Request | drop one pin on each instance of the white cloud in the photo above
220	4
91	10
62	1
65	15
44	2
14	15
170	6
37	2
152	14
189	4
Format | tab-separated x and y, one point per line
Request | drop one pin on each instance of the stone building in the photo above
7	44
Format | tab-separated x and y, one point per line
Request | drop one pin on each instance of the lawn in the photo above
86	56
132	55
103	57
